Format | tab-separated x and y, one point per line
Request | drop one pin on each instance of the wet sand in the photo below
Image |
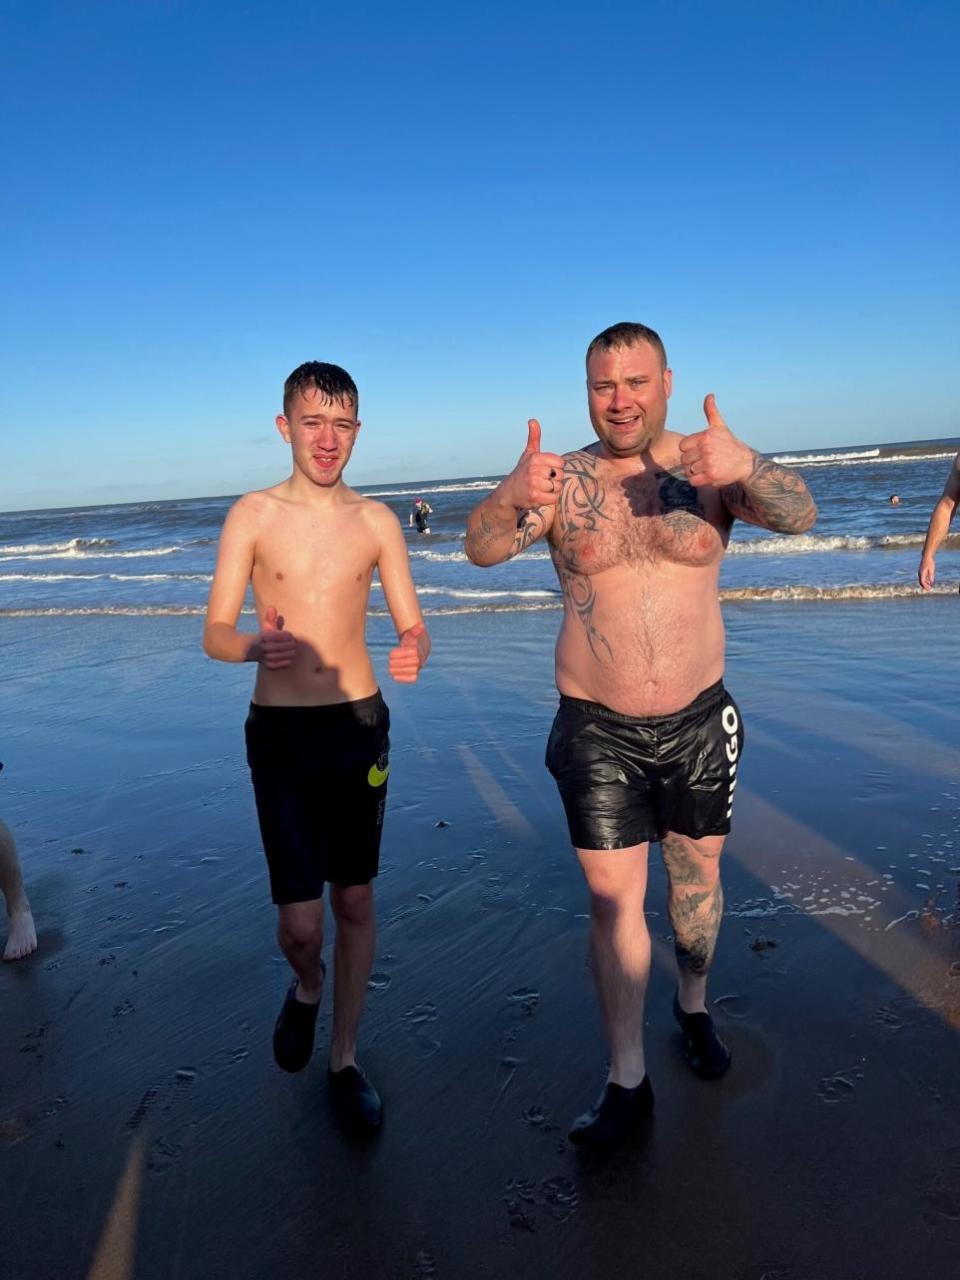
145	1131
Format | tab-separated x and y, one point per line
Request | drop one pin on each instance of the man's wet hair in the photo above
627	334
330	380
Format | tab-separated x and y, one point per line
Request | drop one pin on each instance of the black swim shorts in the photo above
320	781
627	779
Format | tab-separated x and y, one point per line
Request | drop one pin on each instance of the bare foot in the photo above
22	935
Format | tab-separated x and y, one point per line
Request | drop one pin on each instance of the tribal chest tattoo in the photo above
604	521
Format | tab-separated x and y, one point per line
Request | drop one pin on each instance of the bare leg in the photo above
22	934
300	934
353	959
620	951
695	904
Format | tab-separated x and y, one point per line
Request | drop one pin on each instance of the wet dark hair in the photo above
627	334
330	380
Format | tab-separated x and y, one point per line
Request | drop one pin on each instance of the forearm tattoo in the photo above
772	497
493	527
579	511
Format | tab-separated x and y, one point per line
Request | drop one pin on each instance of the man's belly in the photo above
646	657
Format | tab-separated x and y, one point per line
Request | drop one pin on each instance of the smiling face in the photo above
321	432
627	394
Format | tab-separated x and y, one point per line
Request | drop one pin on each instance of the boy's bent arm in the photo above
393	564
221	639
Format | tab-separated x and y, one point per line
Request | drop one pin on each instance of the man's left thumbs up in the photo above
715	456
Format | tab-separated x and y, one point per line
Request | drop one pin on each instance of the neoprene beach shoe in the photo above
293	1033
706	1054
616	1114
356	1102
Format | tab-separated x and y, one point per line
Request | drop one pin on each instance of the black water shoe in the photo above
706	1054
616	1114
293	1033
355	1101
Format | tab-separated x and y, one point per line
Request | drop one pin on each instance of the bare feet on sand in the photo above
21	934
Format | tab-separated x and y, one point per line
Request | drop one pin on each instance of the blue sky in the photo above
451	205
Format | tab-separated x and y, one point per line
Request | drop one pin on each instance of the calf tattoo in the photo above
695	903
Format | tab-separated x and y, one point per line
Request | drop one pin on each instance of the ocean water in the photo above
158	557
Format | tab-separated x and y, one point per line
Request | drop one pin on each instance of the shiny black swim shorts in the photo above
320	781
627	779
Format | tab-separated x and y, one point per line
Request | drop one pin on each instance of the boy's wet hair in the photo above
627	334
330	380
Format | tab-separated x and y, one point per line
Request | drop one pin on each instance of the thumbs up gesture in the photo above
715	456
410	654
537	478
275	647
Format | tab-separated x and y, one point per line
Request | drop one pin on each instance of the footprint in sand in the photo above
162	1155
141	1109
839	1086
557	1196
424	1264
888	1018
417	1021
33	1039
525	998
379	981
733	1005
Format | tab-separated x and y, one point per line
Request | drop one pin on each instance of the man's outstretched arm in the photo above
753	488
939	526
520	510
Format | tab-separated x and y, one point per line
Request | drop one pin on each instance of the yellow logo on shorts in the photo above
378	775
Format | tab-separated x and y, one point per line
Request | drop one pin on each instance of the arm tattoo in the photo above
579	511
773	497
525	527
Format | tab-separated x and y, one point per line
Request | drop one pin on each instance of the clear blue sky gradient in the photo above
199	197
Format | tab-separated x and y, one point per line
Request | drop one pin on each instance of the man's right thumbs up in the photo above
537	478
275	647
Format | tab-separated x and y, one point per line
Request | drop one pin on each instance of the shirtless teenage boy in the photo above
939	526
646	742
317	732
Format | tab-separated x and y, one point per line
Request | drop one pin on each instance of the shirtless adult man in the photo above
646	742
317	732
939	526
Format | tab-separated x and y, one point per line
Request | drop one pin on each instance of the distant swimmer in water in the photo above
939	526
317	734
21	931
647	741
894	499
420	515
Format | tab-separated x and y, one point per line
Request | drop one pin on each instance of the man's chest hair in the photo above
606	519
